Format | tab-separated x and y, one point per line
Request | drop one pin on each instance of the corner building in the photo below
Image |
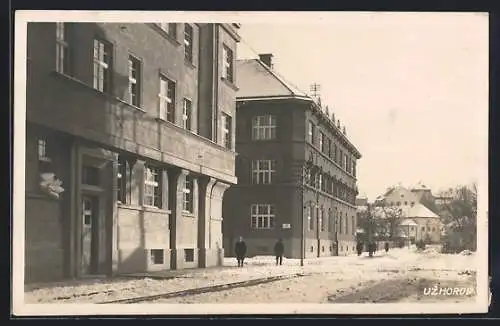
137	122
296	171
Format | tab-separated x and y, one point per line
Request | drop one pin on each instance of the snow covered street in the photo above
400	275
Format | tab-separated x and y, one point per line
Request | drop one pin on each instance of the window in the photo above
346	224
322	142
188	42
341	223
187	114
340	157
90	175
124	180
321	220
312	249
228	69
170	29
329	148
335	152
423	228
262	216
263	171
167	99
322	248
102	65
310	132
188	192
310	220
157	256
152	187
353	230
42	151
227	130
354	168
320	181
398	203
330	221
134	81
406	203
307	176
345	162
62	49
264	127
189	255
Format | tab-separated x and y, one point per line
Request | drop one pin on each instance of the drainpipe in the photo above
215	85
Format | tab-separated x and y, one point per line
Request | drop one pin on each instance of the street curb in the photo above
206	289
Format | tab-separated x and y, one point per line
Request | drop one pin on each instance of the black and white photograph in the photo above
250	162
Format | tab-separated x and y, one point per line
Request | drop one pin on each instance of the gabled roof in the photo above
418	210
255	79
408	211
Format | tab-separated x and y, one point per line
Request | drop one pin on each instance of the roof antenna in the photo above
315	90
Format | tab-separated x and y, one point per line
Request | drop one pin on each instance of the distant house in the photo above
426	224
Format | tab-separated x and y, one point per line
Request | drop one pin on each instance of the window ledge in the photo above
154	209
230	84
189	64
188	214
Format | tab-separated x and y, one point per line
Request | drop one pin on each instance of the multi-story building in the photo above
137	122
296	170
419	222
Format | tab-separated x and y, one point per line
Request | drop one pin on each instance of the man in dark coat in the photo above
279	250
241	250
359	248
386	246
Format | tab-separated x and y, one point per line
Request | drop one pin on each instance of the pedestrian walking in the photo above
386	247
241	250
279	250
359	248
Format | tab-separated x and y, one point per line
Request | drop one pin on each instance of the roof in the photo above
255	79
418	210
415	211
408	222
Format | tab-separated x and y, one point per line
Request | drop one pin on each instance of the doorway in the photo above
90	234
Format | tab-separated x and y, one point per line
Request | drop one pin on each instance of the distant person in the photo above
279	250
359	248
241	250
386	247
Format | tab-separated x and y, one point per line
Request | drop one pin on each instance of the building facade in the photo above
129	146
296	171
420	222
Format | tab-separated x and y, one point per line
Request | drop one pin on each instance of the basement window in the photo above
157	256
189	255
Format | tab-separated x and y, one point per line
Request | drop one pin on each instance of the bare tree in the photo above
459	216
391	218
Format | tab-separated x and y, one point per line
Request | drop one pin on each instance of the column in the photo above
114	223
216	247
206	186
175	195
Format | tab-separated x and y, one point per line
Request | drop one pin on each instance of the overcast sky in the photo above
412	89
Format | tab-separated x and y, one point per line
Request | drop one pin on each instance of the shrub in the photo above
421	245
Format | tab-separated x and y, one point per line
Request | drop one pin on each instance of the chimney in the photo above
267	59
